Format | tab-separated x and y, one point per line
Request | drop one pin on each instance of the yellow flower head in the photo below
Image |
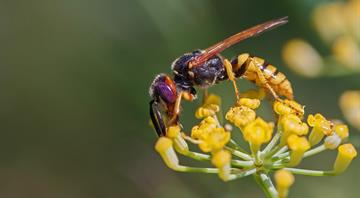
342	131
164	146
292	124
302	57
258	132
215	140
248	102
298	146
240	116
284	180
210	107
319	122
221	158
350	106
297	143
204	128
173	131
288	107
346	153
254	94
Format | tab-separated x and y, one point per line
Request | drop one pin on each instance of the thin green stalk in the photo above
195	169
315	151
269	185
272	143
242	174
243	164
239	153
309	172
265	183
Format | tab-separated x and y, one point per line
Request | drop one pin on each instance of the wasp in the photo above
205	68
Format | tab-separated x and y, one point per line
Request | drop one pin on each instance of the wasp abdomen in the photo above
246	66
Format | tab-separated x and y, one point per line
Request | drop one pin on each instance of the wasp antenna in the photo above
228	42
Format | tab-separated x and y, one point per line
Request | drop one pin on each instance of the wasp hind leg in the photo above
157	118
230	73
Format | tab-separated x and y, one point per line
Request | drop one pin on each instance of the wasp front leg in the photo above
230	73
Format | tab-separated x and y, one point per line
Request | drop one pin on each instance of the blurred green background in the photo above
74	98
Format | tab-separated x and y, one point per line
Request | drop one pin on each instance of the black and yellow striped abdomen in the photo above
248	67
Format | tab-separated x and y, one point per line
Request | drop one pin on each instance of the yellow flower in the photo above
204	128
240	116
298	146
303	58
248	102
347	52
215	140
346	153
342	131
291	124
321	127
284	180
180	144
350	106
210	107
258	132
254	94
164	146
288	107
221	160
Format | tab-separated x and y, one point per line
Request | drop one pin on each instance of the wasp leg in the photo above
262	80
175	116
205	95
230	73
157	118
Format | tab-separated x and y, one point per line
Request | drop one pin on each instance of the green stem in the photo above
264	181
242	174
236	145
195	169
309	172
272	143
280	151
245	164
239	153
309	153
315	151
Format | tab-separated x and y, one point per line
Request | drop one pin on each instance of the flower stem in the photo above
195	169
265	182
272	143
239	153
242	174
315	151
309	172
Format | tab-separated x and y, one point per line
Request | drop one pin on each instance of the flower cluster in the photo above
337	24
274	147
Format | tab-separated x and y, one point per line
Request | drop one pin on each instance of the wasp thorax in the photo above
203	75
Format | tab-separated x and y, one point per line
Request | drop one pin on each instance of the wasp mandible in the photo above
204	68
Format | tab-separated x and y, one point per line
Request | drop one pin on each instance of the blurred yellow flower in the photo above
350	106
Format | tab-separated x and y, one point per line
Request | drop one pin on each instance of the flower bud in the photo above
248	102
298	146
258	132
284	180
164	146
321	127
346	153
240	116
221	160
